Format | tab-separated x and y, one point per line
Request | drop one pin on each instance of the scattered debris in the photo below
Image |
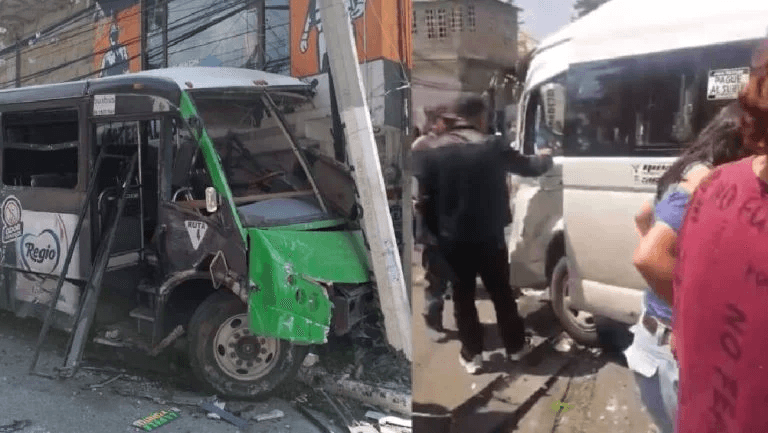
173	336
315	418
157	419
217	403
363	428
105	383
389	420
218	409
275	414
389	399
564	344
310	360
335	407
113	334
15	426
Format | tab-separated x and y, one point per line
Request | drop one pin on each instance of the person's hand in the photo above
672	345
304	45
644	219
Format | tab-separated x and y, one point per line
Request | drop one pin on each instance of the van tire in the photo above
221	321
582	333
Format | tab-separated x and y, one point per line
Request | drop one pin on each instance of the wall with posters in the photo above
378	26
117	42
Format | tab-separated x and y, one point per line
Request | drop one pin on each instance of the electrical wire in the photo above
177	40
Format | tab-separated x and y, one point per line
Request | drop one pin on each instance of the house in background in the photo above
458	47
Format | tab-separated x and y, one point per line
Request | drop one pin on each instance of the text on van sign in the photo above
726	83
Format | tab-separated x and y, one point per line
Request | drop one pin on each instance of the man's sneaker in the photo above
520	354
472	366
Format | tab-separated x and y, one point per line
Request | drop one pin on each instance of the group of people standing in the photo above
462	209
700	353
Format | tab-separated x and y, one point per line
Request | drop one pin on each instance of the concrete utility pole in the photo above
364	159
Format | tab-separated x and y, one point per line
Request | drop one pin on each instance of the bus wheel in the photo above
579	324
228	359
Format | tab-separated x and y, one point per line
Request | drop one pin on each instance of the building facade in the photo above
458	47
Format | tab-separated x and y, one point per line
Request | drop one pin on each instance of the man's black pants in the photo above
490	260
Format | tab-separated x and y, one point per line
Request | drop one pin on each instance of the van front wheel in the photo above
579	324
228	359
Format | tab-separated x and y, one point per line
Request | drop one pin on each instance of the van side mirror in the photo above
211	200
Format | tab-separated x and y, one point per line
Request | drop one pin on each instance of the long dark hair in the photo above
719	143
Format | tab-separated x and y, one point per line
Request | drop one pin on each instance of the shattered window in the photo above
40	148
471	18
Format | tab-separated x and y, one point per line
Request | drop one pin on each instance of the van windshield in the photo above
258	159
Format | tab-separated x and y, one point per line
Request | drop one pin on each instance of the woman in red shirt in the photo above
721	285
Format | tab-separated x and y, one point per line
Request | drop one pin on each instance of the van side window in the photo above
650	104
544	118
40	148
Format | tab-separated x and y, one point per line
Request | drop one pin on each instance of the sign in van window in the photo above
726	83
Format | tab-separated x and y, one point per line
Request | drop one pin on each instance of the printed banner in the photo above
41	248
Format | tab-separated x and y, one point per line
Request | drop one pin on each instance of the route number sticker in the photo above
103	105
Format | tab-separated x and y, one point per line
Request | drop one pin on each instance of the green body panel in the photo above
288	264
212	161
288	267
316	225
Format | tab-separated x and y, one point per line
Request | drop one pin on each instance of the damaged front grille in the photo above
351	303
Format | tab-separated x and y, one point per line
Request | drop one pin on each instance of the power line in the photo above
177	40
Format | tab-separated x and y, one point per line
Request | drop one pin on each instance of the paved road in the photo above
519	397
40	405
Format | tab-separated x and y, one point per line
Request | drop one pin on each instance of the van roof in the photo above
168	81
622	28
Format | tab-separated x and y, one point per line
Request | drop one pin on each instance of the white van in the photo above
616	94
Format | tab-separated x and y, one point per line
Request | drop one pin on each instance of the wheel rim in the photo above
242	355
582	319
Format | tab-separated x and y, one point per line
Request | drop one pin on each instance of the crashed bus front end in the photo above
190	209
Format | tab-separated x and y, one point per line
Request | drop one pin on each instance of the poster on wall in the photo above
376	24
117	42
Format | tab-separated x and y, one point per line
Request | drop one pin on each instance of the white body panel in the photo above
601	195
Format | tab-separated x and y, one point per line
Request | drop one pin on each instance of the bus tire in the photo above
581	330
228	360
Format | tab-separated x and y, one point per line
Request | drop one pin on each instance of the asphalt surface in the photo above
597	390
114	389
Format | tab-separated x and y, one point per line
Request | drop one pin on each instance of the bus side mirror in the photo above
211	200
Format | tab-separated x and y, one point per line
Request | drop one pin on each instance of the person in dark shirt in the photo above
464	194
431	260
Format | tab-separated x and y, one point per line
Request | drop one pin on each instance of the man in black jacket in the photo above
463	188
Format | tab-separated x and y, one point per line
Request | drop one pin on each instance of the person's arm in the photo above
523	165
644	219
655	259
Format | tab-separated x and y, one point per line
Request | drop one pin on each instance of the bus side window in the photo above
40	148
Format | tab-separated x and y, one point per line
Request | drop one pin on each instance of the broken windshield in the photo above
256	155
260	163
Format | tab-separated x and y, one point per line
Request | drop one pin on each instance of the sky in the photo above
543	17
